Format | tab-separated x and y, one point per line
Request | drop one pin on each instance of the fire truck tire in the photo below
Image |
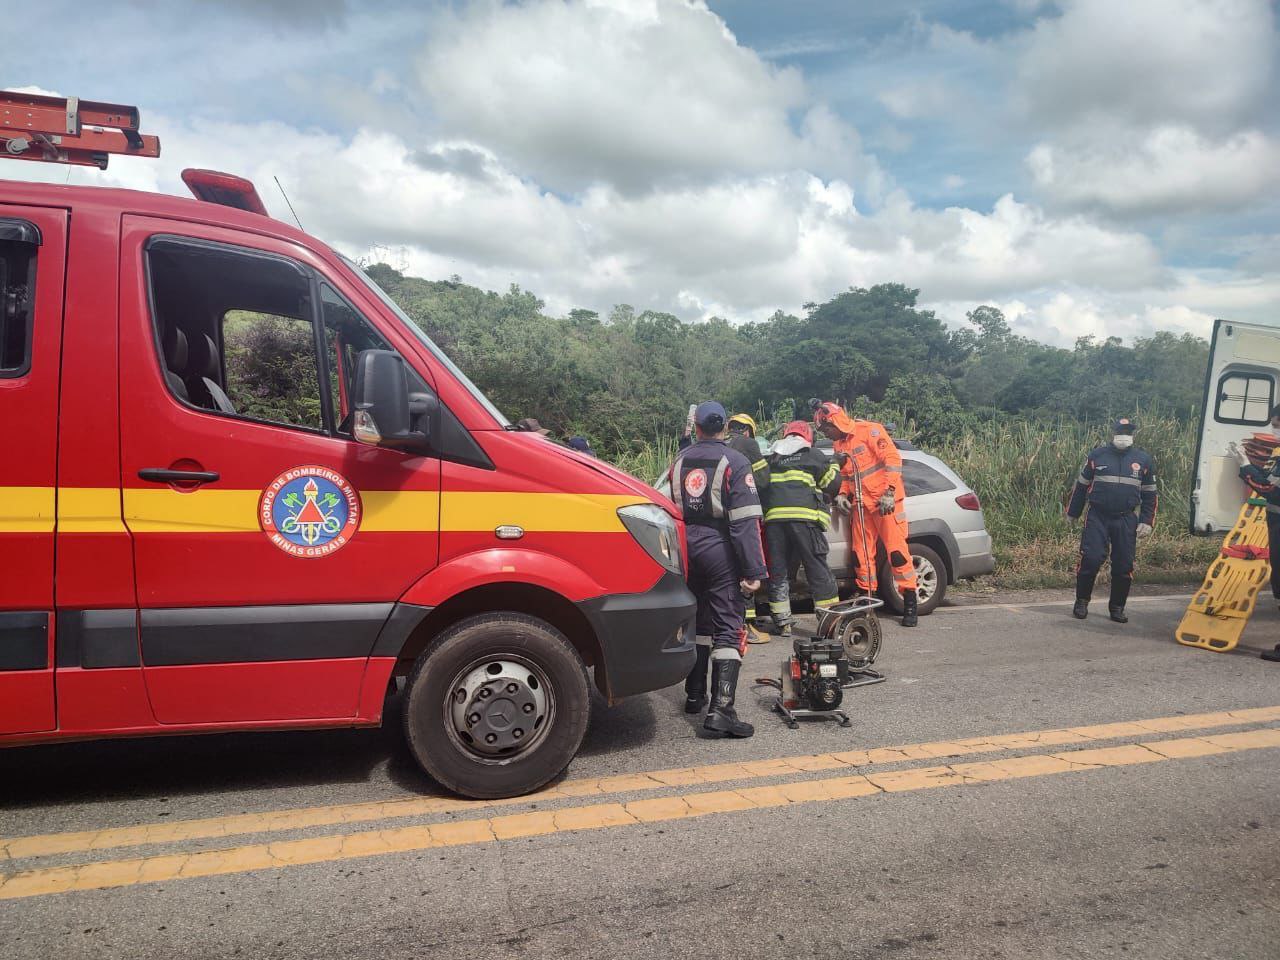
497	706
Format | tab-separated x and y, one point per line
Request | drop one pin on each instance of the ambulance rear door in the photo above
1242	386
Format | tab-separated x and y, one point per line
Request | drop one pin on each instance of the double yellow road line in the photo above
280	854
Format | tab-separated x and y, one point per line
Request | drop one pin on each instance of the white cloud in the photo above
1203	62
1151	106
917	98
598	153
1170	169
628	93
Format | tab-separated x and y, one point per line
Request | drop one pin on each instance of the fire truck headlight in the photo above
655	531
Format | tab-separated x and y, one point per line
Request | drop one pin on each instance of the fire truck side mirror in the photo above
381	415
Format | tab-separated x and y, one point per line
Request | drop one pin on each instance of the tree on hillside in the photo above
625	378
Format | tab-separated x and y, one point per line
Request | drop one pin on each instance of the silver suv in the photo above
947	532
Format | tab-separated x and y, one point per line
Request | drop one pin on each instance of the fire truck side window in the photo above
236	333
271	368
347	333
17	288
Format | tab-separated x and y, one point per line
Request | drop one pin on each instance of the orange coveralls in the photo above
875	460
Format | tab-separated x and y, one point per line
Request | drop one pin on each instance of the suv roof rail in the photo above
70	130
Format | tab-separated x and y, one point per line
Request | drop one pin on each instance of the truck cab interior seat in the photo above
204	370
175	361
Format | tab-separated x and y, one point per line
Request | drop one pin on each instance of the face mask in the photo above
1122	441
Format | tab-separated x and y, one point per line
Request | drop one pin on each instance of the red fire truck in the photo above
193	541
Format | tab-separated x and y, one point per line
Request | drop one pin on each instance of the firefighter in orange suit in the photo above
871	457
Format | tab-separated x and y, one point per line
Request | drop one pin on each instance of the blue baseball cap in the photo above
710	416
1124	425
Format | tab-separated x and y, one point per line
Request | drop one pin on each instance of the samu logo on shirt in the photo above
695	482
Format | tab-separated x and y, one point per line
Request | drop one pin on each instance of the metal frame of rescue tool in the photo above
852	622
69	130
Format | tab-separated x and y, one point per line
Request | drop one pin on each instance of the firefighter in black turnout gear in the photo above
713	486
1118	482
796	485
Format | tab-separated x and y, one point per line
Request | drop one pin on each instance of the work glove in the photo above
886	503
843	504
842	459
1234	451
1144	531
1071	519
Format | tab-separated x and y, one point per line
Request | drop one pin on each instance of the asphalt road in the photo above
1090	836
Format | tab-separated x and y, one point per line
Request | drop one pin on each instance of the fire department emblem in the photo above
695	482
309	511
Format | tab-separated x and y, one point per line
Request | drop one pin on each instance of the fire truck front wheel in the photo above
497	706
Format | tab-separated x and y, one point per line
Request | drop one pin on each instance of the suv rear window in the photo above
920	478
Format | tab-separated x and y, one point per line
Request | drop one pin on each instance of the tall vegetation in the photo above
1013	416
625	379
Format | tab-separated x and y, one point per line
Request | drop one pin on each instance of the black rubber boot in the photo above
695	685
910	605
722	718
1084	591
1272	655
1119	596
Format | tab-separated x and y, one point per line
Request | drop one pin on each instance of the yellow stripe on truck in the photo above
26	509
89	510
162	510
394	511
210	510
535	512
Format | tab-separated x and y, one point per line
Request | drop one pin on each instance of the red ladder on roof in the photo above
70	130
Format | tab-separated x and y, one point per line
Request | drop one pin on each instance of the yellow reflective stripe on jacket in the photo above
830	475
793	476
808	514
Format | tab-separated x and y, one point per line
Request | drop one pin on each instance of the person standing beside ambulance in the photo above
713	486
871	463
1116	480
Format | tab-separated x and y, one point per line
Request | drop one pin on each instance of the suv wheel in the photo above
931	580
497	706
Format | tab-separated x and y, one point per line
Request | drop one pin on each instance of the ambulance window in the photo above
1245	398
17	288
234	331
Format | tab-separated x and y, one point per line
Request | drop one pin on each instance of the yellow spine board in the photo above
1218	612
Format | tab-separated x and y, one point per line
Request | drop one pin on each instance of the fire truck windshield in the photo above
421	336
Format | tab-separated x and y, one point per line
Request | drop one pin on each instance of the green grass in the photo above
1023	473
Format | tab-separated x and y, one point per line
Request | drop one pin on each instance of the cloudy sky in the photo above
1091	167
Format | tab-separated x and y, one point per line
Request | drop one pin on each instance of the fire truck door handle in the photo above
163	475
